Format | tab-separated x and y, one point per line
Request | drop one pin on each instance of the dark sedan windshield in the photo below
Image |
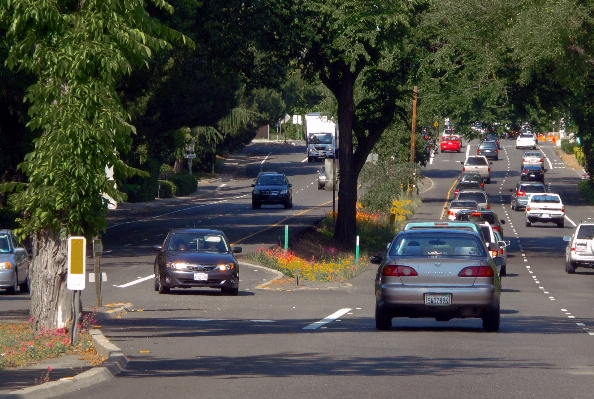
437	244
197	242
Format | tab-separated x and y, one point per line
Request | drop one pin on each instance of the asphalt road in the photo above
323	343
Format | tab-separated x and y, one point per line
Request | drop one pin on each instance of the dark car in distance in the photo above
196	258
488	149
272	189
482	216
532	173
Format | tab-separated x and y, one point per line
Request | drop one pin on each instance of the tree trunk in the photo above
178	166
51	302
345	229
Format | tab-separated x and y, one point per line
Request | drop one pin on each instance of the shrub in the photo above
186	183
567	146
142	189
167	189
587	191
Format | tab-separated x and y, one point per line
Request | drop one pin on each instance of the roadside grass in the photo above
21	346
315	256
586	191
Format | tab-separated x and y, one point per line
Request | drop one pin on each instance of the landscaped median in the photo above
314	257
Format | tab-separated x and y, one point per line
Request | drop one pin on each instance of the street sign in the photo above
190	156
77	252
435	124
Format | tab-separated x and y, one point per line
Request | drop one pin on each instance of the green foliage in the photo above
78	53
587	191
8	218
148	182
186	183
132	192
167	189
568	146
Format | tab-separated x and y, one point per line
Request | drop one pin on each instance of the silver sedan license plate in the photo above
438	299
200	276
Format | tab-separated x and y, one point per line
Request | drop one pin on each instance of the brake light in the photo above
520	193
456	191
563	208
399	271
488	206
463	168
496	150
482	184
501	251
477	271
493	253
475	214
523	160
541	160
527	209
496	228
489	169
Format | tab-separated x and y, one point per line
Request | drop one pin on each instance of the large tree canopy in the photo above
361	51
77	51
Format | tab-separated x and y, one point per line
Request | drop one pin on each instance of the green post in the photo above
286	237
357	252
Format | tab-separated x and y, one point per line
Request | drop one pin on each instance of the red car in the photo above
450	143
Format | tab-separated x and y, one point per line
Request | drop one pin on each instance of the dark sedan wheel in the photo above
561	224
528	223
383	321
256	205
503	271
491	319
569	267
162	289
156	284
12	290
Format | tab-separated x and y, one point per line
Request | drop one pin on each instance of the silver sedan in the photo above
439	274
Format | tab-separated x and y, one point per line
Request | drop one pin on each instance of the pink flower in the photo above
49	368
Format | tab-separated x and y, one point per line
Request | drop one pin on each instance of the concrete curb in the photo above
116	362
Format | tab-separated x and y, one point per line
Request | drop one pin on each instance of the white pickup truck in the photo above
545	208
479	164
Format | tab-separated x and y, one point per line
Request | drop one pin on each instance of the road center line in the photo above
140	280
327	319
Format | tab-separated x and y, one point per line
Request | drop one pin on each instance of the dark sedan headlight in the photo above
177	265
226	266
283	191
256	192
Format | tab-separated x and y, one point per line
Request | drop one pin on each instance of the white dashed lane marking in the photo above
327	319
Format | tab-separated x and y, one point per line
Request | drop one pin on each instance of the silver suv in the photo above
580	248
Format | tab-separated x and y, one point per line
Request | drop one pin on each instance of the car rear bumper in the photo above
271	199
538	217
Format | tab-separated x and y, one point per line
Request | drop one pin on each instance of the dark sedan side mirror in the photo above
237	250
490	163
253	185
158	247
289	185
375	259
502	221
462	162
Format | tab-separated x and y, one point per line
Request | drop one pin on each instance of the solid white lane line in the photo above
140	280
265	158
327	319
570	221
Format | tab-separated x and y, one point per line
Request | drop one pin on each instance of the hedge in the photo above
567	146
142	189
167	189
185	182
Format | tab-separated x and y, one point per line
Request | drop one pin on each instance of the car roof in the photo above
439	225
438	230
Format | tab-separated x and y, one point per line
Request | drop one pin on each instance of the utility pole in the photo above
414	125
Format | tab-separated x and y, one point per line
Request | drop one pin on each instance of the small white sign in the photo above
92	277
77	253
